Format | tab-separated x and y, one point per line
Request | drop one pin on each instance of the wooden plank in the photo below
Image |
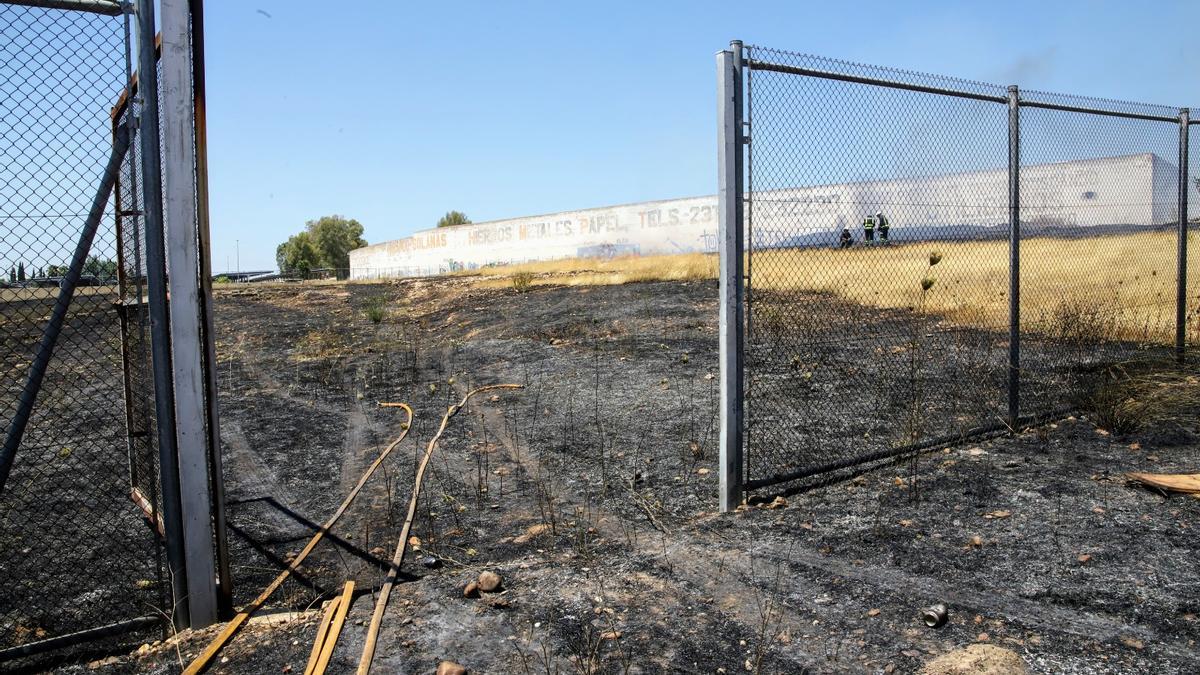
322	631
335	629
1172	482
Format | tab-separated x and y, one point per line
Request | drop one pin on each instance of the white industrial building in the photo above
1111	192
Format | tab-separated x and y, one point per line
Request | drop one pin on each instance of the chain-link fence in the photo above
76	553
1191	248
133	310
929	258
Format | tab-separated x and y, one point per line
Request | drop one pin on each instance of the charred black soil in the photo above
593	493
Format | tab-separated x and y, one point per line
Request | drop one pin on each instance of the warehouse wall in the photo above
1132	190
673	226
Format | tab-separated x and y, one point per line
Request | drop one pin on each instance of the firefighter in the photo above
845	240
869	228
882	222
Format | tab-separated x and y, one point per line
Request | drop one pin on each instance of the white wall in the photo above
674	226
1127	190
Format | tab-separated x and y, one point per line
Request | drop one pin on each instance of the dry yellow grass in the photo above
604	272
1126	282
1122	284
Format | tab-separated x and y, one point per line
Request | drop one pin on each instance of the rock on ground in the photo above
450	668
489	581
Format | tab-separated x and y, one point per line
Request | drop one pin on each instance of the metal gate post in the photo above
187	336
215	467
1014	255
1181	257
730	238
156	291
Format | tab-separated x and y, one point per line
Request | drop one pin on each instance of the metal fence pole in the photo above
730	237
1014	255
216	470
156	290
1181	274
746	175
187	336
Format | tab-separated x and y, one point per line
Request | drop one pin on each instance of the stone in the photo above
489	581
977	659
451	668
531	532
471	590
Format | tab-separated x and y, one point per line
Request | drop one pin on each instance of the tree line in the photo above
101	268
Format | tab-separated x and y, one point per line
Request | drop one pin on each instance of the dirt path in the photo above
273	385
355	450
256	479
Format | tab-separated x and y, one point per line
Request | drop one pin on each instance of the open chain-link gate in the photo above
911	260
92	551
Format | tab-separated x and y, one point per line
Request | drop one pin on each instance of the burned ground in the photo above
593	492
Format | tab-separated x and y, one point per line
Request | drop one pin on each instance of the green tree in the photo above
325	243
101	268
453	218
298	255
20	271
334	237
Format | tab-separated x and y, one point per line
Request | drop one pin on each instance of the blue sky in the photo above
395	112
